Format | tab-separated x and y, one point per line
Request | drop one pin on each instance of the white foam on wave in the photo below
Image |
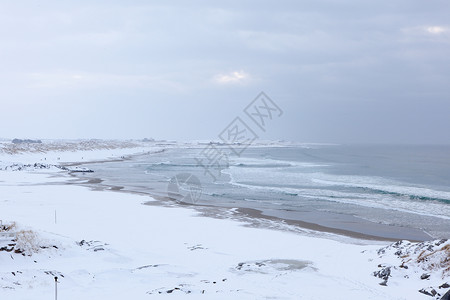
264	171
269	163
383	185
386	194
422	208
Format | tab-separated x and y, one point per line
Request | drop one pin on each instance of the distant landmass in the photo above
26	141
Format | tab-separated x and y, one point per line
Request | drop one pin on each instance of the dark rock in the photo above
440	242
425	276
170	291
446	296
147	266
83	170
428	291
383	273
444	286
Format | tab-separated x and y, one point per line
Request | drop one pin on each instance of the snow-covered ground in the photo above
107	245
60	152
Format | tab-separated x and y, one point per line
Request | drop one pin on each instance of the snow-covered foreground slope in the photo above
138	251
107	245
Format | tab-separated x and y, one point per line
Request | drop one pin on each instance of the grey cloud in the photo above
345	71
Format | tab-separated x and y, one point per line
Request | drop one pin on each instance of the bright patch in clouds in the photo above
426	31
436	29
233	77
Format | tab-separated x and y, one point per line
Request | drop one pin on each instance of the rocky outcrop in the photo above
427	262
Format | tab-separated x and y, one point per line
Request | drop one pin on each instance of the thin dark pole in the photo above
56	288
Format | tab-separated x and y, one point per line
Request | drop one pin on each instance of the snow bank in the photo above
107	245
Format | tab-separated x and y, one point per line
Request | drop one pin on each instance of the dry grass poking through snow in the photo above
438	259
7	227
429	255
27	242
426	263
64	146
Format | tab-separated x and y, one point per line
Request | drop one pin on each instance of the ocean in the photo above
389	191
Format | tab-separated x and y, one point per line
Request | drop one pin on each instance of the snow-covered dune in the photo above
57	152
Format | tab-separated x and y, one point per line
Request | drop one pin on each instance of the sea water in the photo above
329	185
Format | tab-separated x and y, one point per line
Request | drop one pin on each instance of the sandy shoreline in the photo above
357	228
240	213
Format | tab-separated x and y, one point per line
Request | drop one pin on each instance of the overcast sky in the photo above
346	71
